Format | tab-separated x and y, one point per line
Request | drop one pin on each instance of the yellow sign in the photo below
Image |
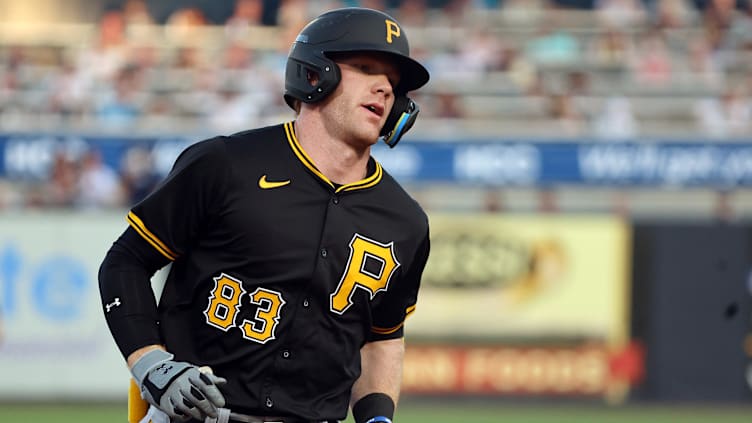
510	277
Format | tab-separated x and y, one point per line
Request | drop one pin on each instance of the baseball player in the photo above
295	256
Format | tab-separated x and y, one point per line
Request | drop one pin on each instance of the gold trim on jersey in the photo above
368	182
152	239
409	310
386	331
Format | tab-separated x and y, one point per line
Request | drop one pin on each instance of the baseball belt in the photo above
224	415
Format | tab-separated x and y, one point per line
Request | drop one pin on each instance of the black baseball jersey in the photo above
279	276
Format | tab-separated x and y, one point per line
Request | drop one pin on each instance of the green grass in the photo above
433	412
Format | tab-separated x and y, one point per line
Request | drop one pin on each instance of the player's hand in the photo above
179	389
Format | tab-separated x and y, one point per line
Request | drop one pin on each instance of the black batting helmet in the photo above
351	29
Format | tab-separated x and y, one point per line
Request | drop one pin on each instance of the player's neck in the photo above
339	161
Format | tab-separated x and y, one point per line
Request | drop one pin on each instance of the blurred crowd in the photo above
620	69
600	69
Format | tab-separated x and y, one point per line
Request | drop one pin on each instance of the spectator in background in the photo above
373	4
620	14
668	14
523	12
739	35
121	106
291	18
449	105
138	175
616	120
186	18
650	62
471	61
737	41
136	12
159	114
567	119
412	13
192	82
187	58
719	14
109	51
246	14
232	110
482	53
244	91
61	189
182	22
554	45
238	67
610	48
521	71
69	92
10	78
703	68
457	12
578	83
727	115
717	18
198	96
98	184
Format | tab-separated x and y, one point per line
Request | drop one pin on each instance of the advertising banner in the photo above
56	344
515	278
524	305
488	370
499	162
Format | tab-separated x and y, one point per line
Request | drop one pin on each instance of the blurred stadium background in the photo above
586	166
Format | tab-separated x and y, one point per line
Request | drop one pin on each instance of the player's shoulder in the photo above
399	198
235	146
257	136
206	152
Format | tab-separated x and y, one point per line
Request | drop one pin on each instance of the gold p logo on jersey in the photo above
392	29
357	275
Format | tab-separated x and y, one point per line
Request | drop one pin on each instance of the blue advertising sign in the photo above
492	163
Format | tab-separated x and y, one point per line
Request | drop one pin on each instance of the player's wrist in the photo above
148	361
374	408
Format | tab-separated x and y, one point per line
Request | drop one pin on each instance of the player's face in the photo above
358	108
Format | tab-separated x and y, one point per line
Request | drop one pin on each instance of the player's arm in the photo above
161	228
179	389
376	392
130	307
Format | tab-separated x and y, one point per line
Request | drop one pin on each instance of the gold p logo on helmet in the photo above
392	29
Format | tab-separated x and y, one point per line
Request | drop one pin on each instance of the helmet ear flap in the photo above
401	118
299	66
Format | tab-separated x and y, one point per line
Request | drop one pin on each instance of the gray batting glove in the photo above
179	389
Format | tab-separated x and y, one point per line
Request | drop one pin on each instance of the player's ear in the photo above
296	104
312	77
